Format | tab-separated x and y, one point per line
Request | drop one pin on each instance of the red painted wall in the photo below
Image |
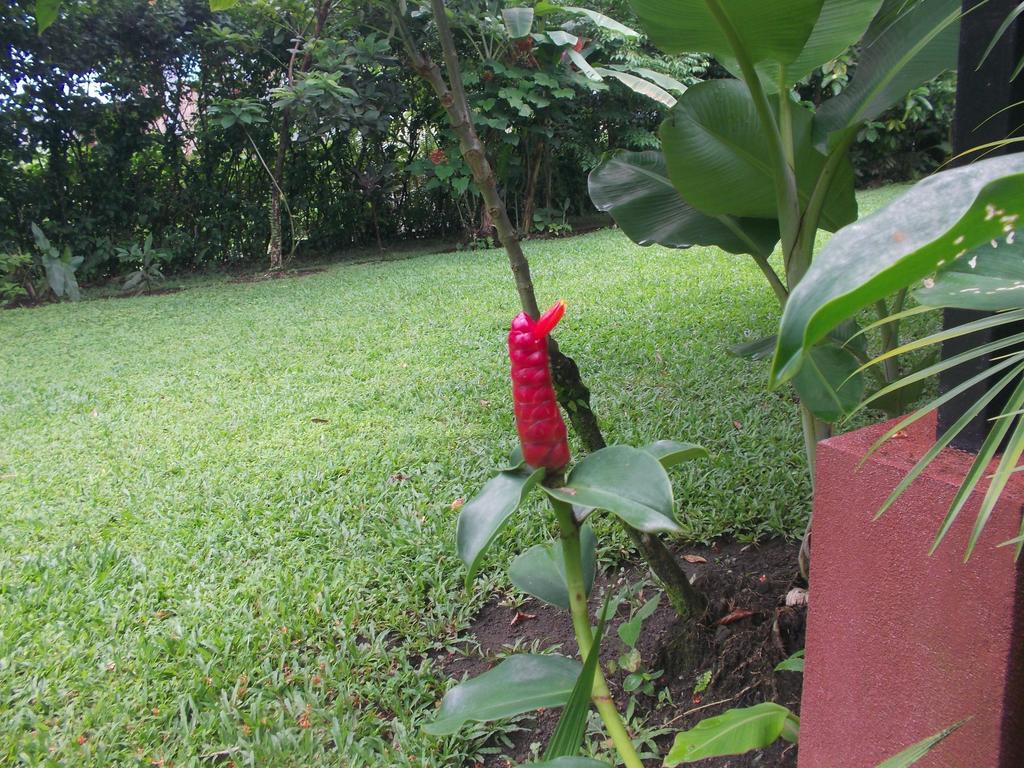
900	644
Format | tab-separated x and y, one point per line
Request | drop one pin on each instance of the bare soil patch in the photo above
740	653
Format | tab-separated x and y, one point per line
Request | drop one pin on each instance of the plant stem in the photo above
573	394
814	430
787	199
601	696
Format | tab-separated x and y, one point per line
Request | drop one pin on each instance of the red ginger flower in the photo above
538	420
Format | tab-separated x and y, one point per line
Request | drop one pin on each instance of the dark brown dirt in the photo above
741	655
259	277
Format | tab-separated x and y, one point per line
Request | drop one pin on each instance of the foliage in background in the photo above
129	118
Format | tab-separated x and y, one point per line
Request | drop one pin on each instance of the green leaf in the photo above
518	684
639	85
670	452
518	21
602	21
46	13
985	278
627	482
794	663
515	460
899	55
629	631
560	37
634	188
764	30
222	5
930	225
540	570
584	66
840	24
827	383
572	724
912	754
486	513
666	82
720	161
758	349
568	762
731	733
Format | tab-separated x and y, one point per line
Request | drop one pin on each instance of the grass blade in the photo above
572	724
915	752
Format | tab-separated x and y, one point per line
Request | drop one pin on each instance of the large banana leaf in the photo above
719	159
900	52
840	24
936	222
765	30
634	188
987	278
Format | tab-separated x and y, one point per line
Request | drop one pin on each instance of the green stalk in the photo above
601	696
788	201
804	246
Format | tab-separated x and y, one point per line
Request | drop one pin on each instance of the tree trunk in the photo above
530	201
573	394
274	249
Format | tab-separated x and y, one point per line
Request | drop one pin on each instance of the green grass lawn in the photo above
225	514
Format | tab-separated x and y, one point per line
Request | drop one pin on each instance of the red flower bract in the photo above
539	422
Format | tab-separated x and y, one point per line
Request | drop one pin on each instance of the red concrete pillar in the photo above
900	644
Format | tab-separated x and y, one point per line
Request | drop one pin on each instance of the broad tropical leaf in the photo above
486	513
898	55
569	762
719	160
840	24
670	453
731	733
827	383
932	224
628	482
602	21
518	684
986	278
639	85
634	188
776	31
518	21
540	570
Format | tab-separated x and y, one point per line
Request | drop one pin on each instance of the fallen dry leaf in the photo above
694	559
567	490
736	615
521	617
457	504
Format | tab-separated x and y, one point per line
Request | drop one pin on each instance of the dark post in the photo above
980	95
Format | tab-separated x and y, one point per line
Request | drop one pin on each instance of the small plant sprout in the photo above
630	483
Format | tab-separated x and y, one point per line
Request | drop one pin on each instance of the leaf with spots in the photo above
936	222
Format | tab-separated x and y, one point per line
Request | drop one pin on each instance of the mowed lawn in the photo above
226	526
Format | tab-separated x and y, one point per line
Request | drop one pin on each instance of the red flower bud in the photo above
538	420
